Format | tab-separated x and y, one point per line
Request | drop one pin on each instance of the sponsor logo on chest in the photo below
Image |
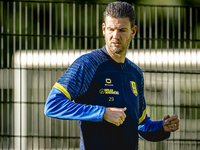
108	82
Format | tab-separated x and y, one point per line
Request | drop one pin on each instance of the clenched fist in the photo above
115	115
171	124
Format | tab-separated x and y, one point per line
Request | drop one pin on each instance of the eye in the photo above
110	29
122	30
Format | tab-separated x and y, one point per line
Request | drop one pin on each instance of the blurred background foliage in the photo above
38	25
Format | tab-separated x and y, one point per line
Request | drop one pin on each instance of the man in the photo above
108	90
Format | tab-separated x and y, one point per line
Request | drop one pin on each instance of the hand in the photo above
171	124
115	115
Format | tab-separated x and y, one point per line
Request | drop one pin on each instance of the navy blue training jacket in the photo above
95	81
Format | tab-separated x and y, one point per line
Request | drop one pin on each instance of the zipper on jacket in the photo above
123	82
122	66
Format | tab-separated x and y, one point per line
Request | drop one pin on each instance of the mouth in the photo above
116	44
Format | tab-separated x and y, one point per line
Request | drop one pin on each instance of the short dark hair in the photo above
120	10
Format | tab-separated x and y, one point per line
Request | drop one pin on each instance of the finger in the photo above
122	118
165	120
119	122
124	109
168	116
173	125
174	121
124	115
173	117
176	125
174	128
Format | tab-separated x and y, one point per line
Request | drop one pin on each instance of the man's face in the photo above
118	33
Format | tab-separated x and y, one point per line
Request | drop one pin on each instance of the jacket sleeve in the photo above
147	129
72	84
152	130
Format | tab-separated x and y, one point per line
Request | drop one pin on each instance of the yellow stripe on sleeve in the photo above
62	89
143	116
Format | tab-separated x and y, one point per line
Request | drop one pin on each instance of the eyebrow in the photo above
118	29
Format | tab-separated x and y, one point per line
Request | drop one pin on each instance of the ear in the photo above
134	30
103	28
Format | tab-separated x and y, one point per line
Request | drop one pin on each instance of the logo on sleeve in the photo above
134	88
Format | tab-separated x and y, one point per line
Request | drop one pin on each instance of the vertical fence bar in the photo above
185	89
148	75
133	41
17	140
23	88
166	66
20	95
179	30
68	29
97	26
80	20
197	76
86	27
91	27
38	76
38	27
1	78
156	28
190	79
177	88
26	26
138	34
50	26
72	127
161	35
74	26
45	77
179	47
57	122
56	27
167	37
32	47
20	76
156	50
150	35
144	34
7	73
62	39
26	41
155	74
62	27
14	22
68	33
50	77
2	31
172	66
14	48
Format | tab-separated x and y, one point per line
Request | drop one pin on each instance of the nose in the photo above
115	34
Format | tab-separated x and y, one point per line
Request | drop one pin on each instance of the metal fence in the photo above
39	40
